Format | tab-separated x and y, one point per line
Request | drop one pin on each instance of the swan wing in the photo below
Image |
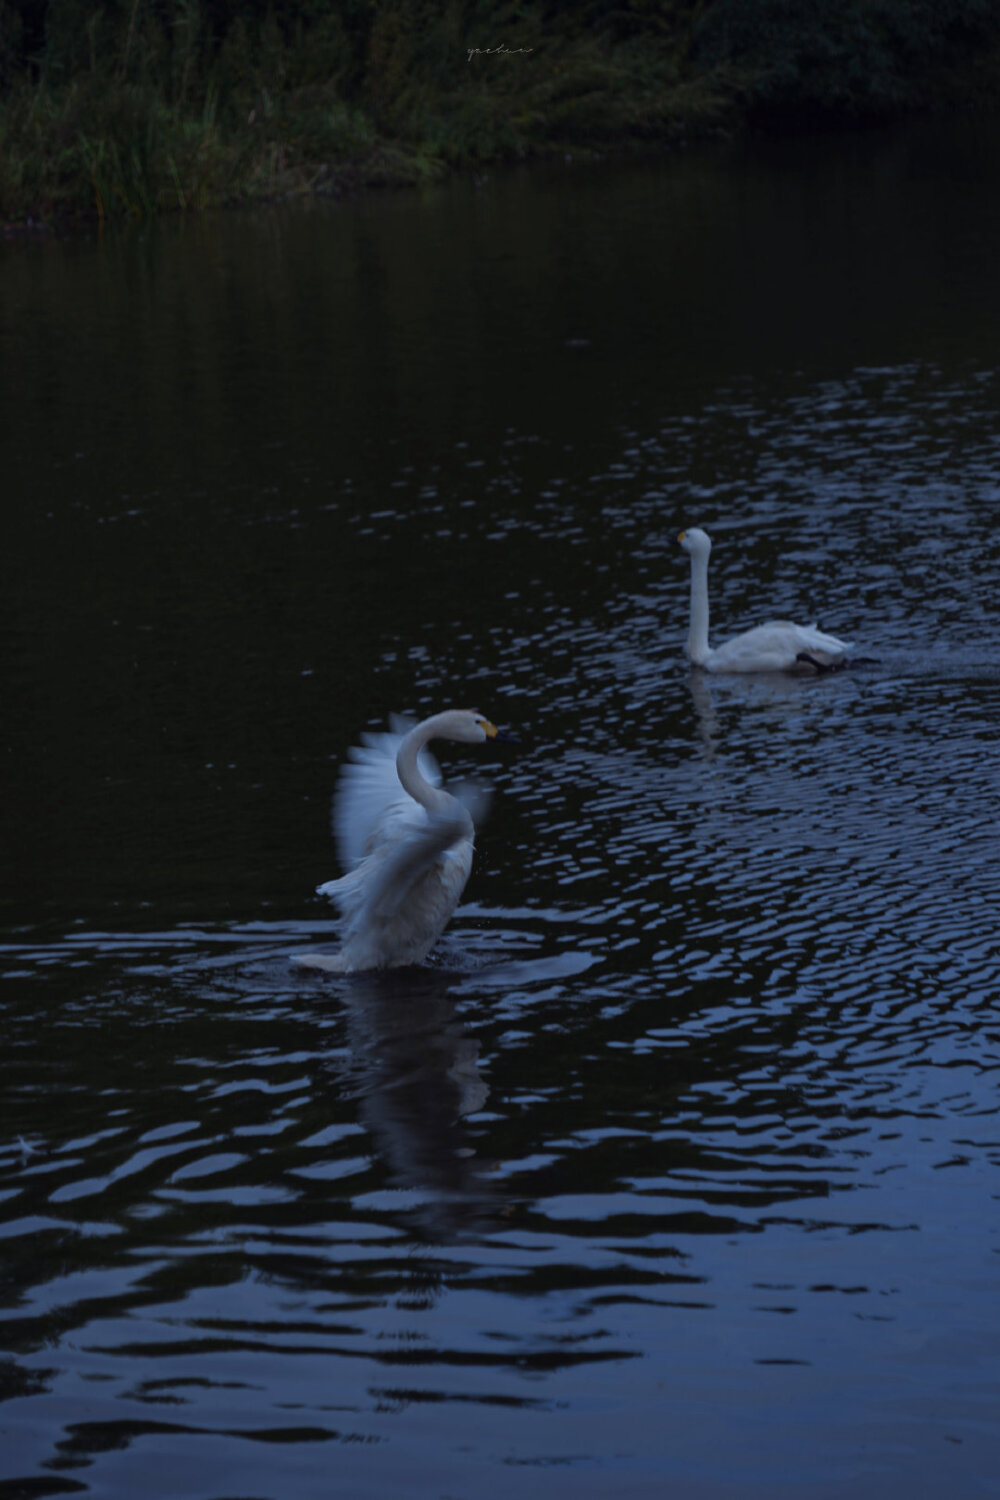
778	646
397	901
476	796
405	861
370	805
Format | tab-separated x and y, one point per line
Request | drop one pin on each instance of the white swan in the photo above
406	843
778	646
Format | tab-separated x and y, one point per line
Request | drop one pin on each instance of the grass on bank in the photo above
112	108
168	120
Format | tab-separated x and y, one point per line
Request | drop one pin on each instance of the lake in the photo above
674	1170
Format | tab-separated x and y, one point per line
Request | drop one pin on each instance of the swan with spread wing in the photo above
779	646
405	842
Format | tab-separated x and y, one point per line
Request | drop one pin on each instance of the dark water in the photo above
676	1171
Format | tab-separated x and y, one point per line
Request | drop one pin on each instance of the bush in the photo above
852	59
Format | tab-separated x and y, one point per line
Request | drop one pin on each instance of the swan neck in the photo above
432	797
698	648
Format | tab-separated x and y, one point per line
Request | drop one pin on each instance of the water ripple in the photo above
720	1008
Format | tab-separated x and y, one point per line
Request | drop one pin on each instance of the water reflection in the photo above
705	715
778	698
415	1072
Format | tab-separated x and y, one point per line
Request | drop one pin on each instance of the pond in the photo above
674	1170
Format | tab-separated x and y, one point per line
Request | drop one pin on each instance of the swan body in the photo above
779	646
405	842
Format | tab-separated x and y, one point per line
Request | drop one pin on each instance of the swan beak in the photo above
681	536
502	736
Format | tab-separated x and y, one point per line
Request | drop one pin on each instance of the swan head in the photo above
695	541
467	725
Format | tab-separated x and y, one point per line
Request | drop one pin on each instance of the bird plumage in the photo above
406	842
778	646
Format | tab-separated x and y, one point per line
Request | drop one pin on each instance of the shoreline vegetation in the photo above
114	109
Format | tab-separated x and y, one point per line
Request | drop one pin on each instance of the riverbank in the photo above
162	107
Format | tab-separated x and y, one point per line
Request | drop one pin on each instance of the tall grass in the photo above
131	107
112	108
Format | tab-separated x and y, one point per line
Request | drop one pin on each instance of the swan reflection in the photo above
417	1076
704	712
722	703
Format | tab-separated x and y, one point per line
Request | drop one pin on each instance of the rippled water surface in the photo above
675	1170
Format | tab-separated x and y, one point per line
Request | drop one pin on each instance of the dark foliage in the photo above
848	59
136	105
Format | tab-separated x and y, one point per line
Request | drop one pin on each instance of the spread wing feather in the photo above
406	864
370	805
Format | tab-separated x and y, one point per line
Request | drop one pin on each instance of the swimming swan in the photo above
406	843
778	646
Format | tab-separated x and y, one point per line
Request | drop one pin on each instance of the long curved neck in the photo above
698	649
434	798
